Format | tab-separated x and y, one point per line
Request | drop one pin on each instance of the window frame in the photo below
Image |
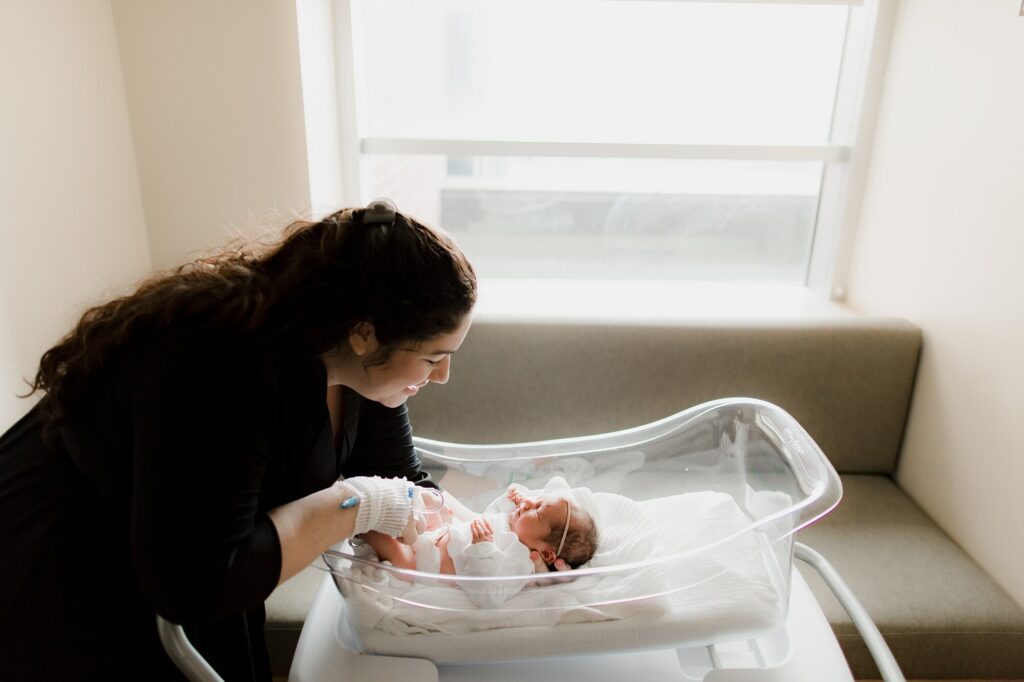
333	115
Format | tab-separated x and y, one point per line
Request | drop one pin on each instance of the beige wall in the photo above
141	133
72	226
940	243
215	96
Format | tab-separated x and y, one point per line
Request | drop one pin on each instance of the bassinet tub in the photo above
693	575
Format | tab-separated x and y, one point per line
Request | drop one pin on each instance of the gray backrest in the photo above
848	382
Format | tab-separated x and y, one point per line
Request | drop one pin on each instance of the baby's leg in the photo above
390	549
435	521
401	555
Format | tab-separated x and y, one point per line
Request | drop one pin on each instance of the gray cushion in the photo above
940	613
515	382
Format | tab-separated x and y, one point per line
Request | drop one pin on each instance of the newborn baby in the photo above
518	534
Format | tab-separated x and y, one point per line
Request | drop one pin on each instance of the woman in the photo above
184	458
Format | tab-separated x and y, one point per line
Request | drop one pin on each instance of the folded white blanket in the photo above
729	583
718	574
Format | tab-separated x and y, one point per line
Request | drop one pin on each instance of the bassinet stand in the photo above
809	659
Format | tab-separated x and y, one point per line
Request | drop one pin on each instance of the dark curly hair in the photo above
308	290
580	540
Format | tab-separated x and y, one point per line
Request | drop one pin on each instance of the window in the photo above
616	139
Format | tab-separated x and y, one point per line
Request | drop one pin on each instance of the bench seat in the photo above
940	613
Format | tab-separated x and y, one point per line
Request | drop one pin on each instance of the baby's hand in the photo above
515	494
481	530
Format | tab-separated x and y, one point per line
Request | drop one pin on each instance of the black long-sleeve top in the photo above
153	499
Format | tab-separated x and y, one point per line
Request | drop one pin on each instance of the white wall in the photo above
215	96
940	243
72	225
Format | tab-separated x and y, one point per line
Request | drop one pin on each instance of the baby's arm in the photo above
487	557
481	530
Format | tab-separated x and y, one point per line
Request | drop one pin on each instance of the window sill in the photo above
636	302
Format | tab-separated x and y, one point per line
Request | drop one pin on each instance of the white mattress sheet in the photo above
730	593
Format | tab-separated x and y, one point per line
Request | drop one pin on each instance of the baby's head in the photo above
555	525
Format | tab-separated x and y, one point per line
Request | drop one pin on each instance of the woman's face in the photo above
408	369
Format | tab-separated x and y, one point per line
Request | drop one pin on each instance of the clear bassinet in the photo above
696	515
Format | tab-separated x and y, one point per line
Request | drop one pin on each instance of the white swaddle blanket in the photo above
724	587
503	555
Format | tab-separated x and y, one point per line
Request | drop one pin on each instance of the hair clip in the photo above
380	212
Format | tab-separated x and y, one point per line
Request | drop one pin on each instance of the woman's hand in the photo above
481	530
309	525
383	504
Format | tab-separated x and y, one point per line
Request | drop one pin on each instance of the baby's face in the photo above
534	517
